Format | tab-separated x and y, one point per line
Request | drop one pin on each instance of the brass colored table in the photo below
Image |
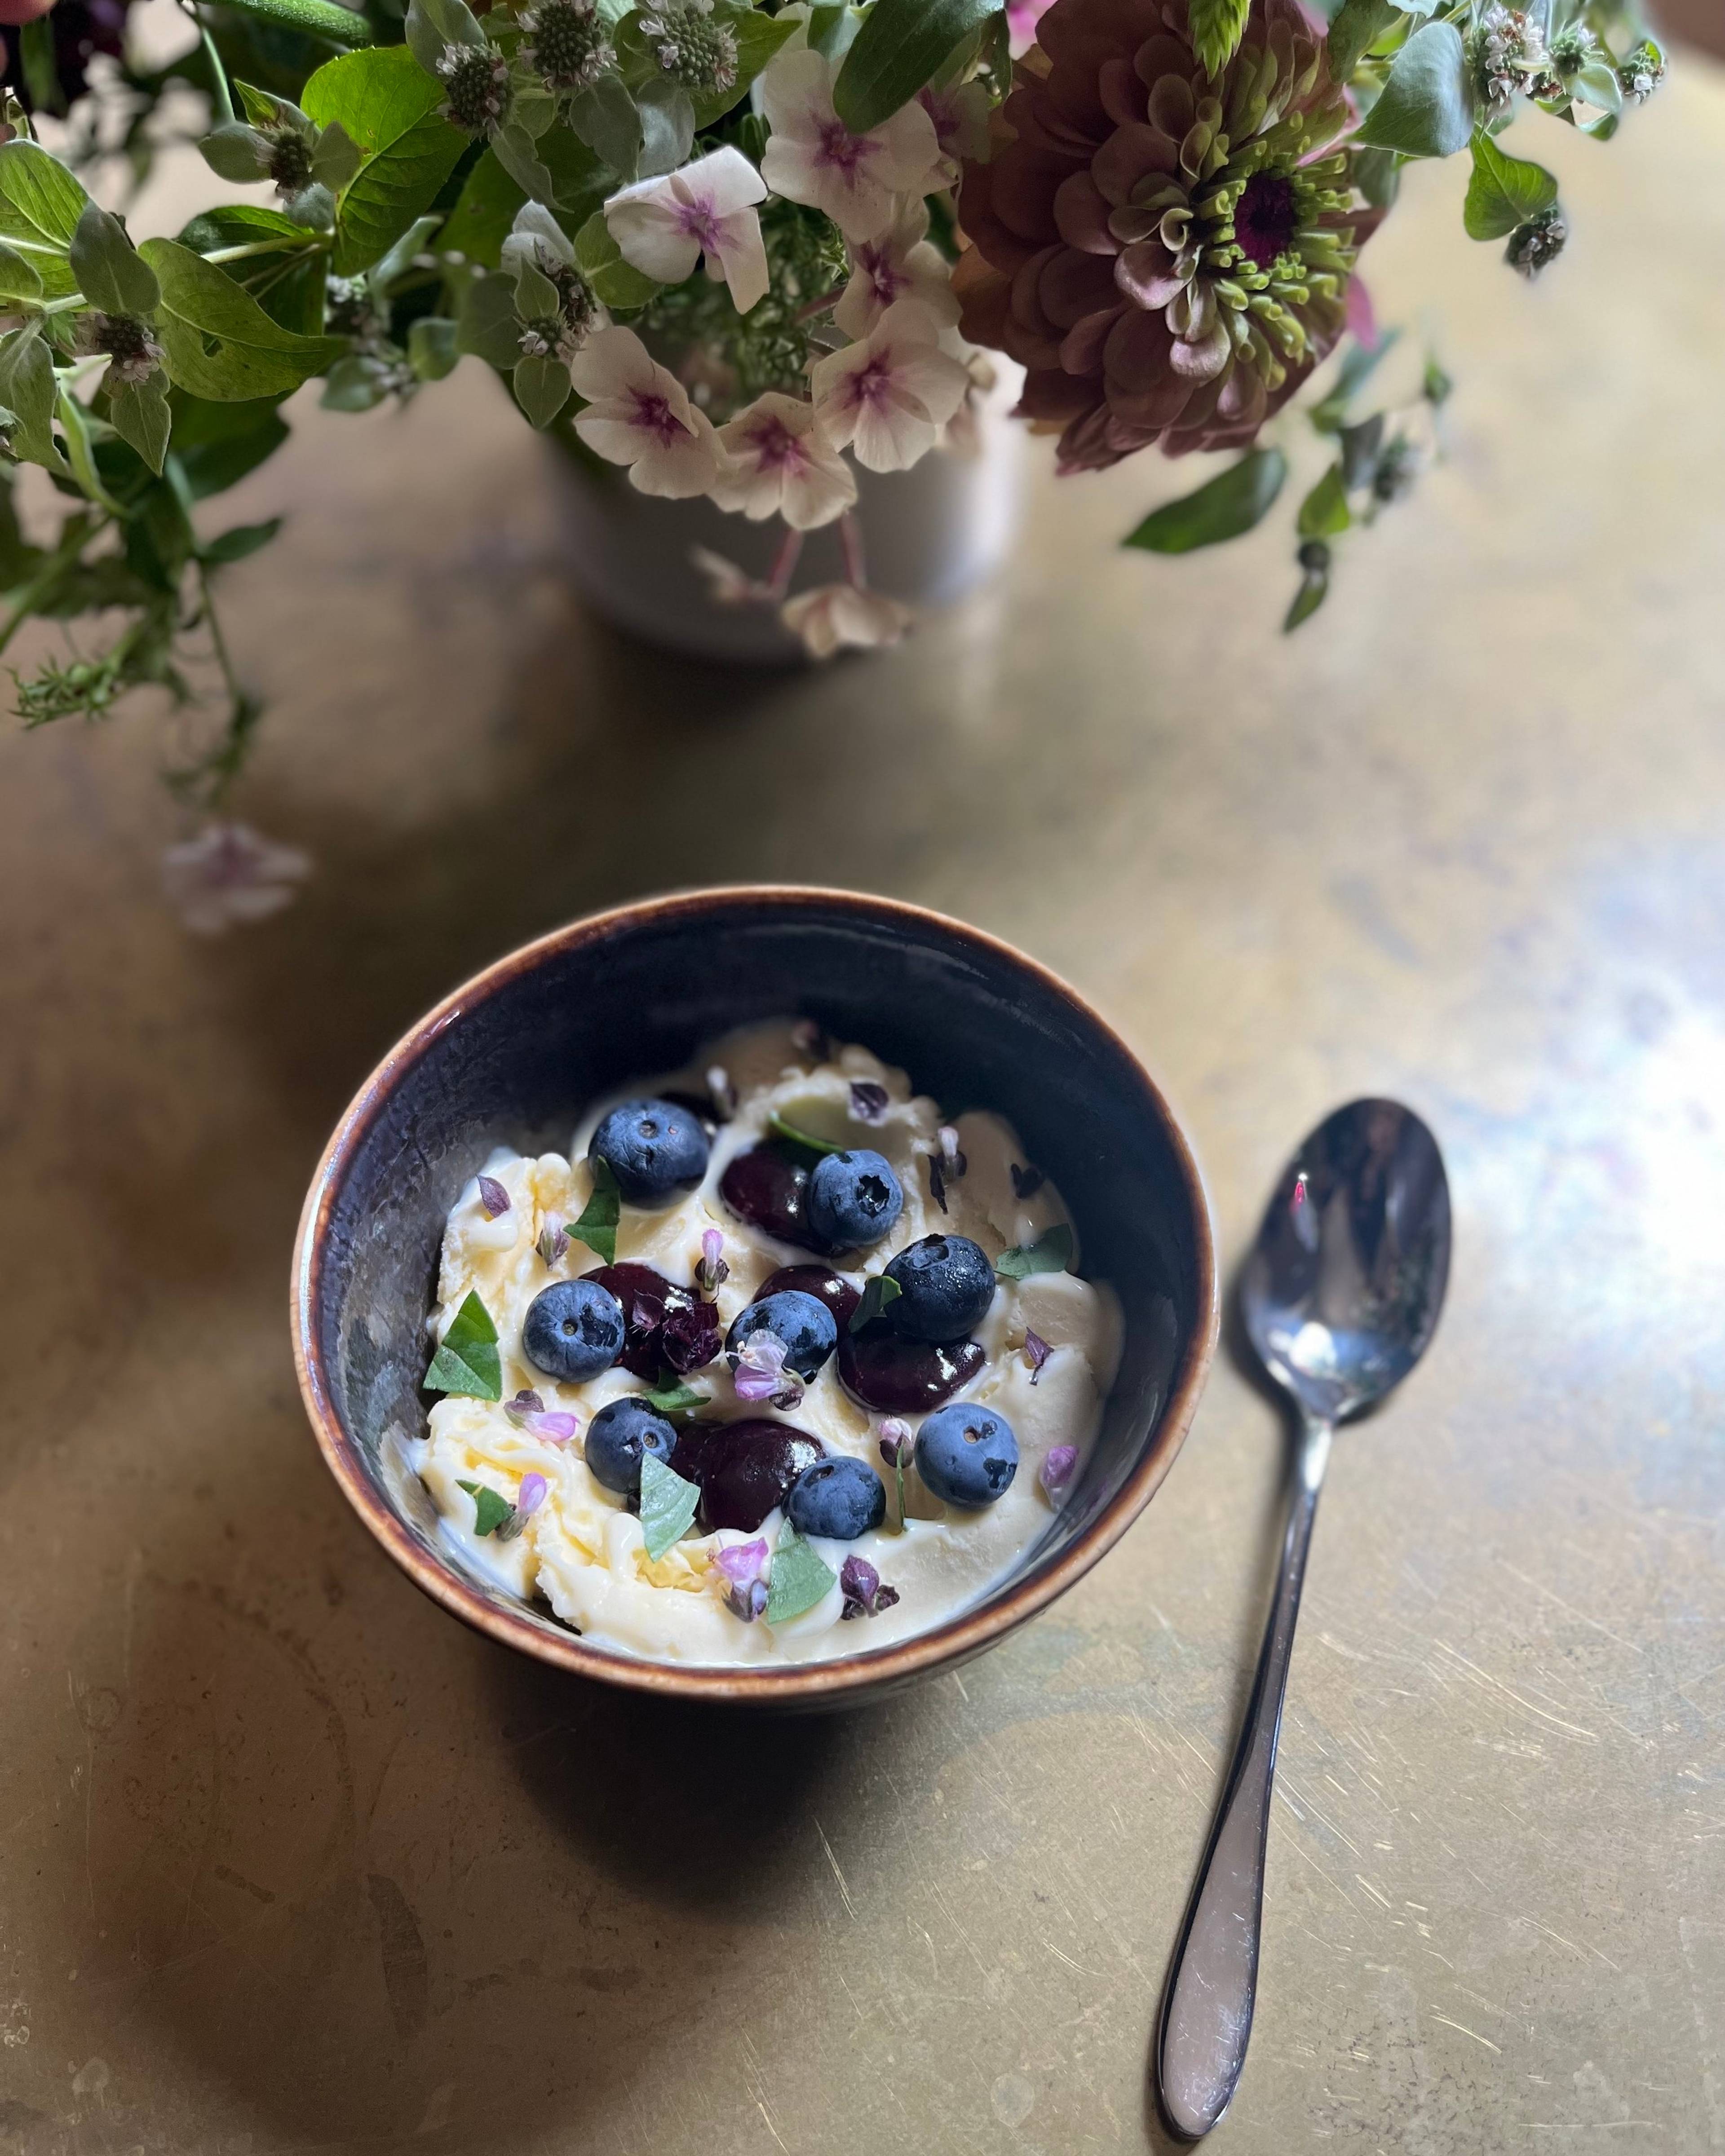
290	1862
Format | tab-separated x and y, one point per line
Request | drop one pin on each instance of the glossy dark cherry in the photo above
820	1282
903	1377
646	1296
766	1186
742	1469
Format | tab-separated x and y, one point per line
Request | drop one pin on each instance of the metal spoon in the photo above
1340	1296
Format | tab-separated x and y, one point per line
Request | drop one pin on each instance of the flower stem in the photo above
851	538
72	544
784	566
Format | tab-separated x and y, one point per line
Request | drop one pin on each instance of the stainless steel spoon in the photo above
1340	1296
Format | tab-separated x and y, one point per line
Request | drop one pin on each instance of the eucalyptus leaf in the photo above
542	388
1504	192
138	412
432	349
1223	508
1425	109
110	273
899	48
1325	511
467	1361
668	1507
597	1225
1050	1253
1217	28
801	1577
1377	173
40	204
388	105
27	390
219	342
1359	24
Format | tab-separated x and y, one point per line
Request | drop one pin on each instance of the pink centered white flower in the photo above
813	156
665	226
781	464
228	875
832	616
898	264
638	413
889	395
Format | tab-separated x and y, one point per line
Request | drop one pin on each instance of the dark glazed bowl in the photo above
515	1054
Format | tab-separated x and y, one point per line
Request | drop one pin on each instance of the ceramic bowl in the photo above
515	1055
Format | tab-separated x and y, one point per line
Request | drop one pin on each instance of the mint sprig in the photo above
675	1399
879	1291
668	1505
597	1225
491	1511
800	1577
790	1133
1051	1253
467	1362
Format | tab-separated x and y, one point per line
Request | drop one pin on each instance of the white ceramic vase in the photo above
930	536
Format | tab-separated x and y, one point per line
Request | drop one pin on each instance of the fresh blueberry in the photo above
653	1147
853	1198
573	1329
966	1455
805	1326
617	1437
840	1498
946	1283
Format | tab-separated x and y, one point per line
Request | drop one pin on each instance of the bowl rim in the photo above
806	1684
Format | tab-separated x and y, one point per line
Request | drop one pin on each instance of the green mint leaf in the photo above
80	450
467	1361
40	204
19	277
1504	192
792	1136
597	1225
879	1289
542	388
668	1505
606	119
320	19
1359	23
234	544
432	24
491	1511
386	105
480	222
1379	175
618	282
219	342
1217	28
110	273
675	1399
138	412
27	390
1325	511
432	351
1425	109
899	48
1223	508
1314	590
1331	415
800	1577
1050	1253
487	327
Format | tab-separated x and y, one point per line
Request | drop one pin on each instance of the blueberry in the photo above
946	1283
617	1437
853	1198
652	1147
573	1329
805	1326
840	1498
966	1455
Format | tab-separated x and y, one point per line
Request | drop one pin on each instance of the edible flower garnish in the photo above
869	1102
528	1412
690	1337
597	1225
712	1272
492	1514
1051	1253
553	1244
1055	1471
1036	1353
801	1577
879	1289
947	1166
1027	1181
525	1402
759	1371
531	1496
864	1595
493	1197
742	1567
668	1505
896	1446
467	1362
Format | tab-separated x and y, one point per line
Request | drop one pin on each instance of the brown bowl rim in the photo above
804	1684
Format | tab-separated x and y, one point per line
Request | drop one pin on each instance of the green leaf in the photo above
618	282
384	276
1379	175
1329	416
517	151
216	445
432	24
899	48
491	1511
1217	28
41	68
1596	84
879	1289
1050	1253
357	383
792	1135
40	204
467	1361
337	159
597	1225
238	541
759	38
668	1505
1325	511
235	151
138	412
27	390
667	128
159	538
287	284
541	388
1504	192
1314	590
487	327
110	272
220	343
19	277
1425	109
1223	508
432	350
675	1399
1359	24
387	104
479	224
80	450
318	18
604	117
800	1578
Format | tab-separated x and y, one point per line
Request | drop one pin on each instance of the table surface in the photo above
291	1861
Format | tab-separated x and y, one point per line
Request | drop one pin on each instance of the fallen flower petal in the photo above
1036	1353
1056	1471
493	1198
227	874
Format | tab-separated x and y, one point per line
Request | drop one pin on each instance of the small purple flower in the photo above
1056	1471
1036	1353
531	1496
894	1441
761	1373
742	1567
864	1595
691	1337
525	1402
712	1272
493	1197
1026	1182
869	1102
553	1244
555	1428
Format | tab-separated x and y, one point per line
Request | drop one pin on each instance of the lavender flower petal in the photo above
1056	1471
493	1197
869	1102
525	1402
1036	1353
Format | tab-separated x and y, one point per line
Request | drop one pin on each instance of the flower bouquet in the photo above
739	251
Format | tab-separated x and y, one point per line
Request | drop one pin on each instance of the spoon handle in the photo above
1207	2015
